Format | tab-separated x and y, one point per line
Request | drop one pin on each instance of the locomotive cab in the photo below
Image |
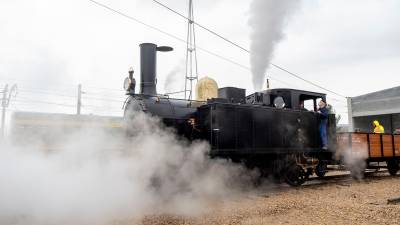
287	98
268	122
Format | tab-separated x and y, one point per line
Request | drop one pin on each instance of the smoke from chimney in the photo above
267	19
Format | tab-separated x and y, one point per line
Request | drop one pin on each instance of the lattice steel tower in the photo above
191	55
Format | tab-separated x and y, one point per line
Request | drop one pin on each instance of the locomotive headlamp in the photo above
127	83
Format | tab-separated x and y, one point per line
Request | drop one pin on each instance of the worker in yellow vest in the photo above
378	129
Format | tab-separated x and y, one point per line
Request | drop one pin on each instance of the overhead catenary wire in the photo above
103	88
52	93
27	86
45	93
49	93
201	26
105	108
180	39
248	51
42	102
28	100
103	99
33	85
108	94
136	20
32	102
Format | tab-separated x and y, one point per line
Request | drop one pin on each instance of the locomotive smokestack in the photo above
148	71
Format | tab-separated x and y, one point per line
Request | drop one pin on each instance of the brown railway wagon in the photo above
370	148
374	146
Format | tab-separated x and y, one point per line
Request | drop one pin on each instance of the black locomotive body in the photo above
261	127
270	130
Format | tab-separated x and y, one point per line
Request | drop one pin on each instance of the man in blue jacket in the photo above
323	111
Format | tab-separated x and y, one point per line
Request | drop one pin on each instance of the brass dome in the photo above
206	88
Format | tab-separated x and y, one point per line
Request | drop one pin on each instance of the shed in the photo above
383	106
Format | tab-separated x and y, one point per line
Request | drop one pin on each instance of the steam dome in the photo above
206	88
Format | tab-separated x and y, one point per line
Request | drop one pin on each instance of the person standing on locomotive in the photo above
323	111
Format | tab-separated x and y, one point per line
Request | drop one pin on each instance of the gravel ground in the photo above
332	201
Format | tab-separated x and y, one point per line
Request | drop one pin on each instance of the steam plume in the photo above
97	177
267	19
172	77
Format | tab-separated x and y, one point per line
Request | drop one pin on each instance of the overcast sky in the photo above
351	47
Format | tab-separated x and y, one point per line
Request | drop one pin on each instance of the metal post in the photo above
350	114
3	112
191	54
79	102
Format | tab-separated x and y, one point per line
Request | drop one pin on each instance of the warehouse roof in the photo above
377	103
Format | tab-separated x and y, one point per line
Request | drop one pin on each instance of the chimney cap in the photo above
159	48
164	49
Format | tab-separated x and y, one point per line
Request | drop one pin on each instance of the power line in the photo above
241	65
179	39
103	95
32	81
201	26
114	95
104	99
42	102
31	103
136	20
45	93
307	81
248	51
103	107
50	93
28	83
103	88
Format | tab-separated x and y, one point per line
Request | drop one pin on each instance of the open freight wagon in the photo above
369	151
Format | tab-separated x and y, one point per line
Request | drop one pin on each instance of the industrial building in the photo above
383	106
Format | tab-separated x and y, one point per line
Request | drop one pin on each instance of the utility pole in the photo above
4	104
3	112
350	114
191	55
267	83
79	102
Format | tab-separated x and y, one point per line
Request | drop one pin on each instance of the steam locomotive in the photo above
268	130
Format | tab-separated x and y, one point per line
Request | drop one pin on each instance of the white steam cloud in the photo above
96	177
267	19
173	76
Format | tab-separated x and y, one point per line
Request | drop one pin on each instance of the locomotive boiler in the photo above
268	130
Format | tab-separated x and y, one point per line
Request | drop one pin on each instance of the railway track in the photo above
340	178
344	178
